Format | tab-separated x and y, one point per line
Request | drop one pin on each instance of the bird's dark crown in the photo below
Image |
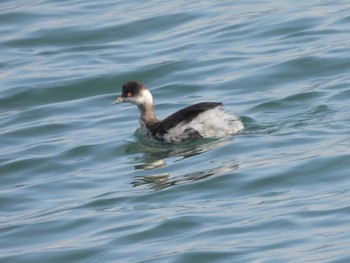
132	89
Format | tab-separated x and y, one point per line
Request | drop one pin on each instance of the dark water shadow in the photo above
161	181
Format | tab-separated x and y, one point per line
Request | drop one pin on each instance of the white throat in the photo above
144	98
145	104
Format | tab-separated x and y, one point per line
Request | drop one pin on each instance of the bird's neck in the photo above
147	114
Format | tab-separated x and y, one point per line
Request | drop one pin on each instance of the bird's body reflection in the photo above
157	156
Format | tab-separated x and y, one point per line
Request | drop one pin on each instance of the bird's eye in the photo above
129	94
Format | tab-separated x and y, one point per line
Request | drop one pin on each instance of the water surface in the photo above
77	184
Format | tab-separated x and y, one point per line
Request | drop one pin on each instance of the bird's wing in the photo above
184	115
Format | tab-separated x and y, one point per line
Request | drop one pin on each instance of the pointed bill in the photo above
118	100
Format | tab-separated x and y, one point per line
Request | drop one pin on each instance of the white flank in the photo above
214	123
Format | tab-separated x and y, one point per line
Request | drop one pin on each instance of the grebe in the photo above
201	120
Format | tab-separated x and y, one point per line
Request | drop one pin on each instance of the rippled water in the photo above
78	185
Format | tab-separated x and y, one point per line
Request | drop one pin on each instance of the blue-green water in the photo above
78	185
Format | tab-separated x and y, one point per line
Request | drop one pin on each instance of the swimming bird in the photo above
201	120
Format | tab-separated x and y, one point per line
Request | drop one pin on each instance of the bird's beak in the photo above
118	100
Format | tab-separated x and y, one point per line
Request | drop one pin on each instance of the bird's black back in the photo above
184	115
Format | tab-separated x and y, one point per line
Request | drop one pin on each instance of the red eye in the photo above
129	94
